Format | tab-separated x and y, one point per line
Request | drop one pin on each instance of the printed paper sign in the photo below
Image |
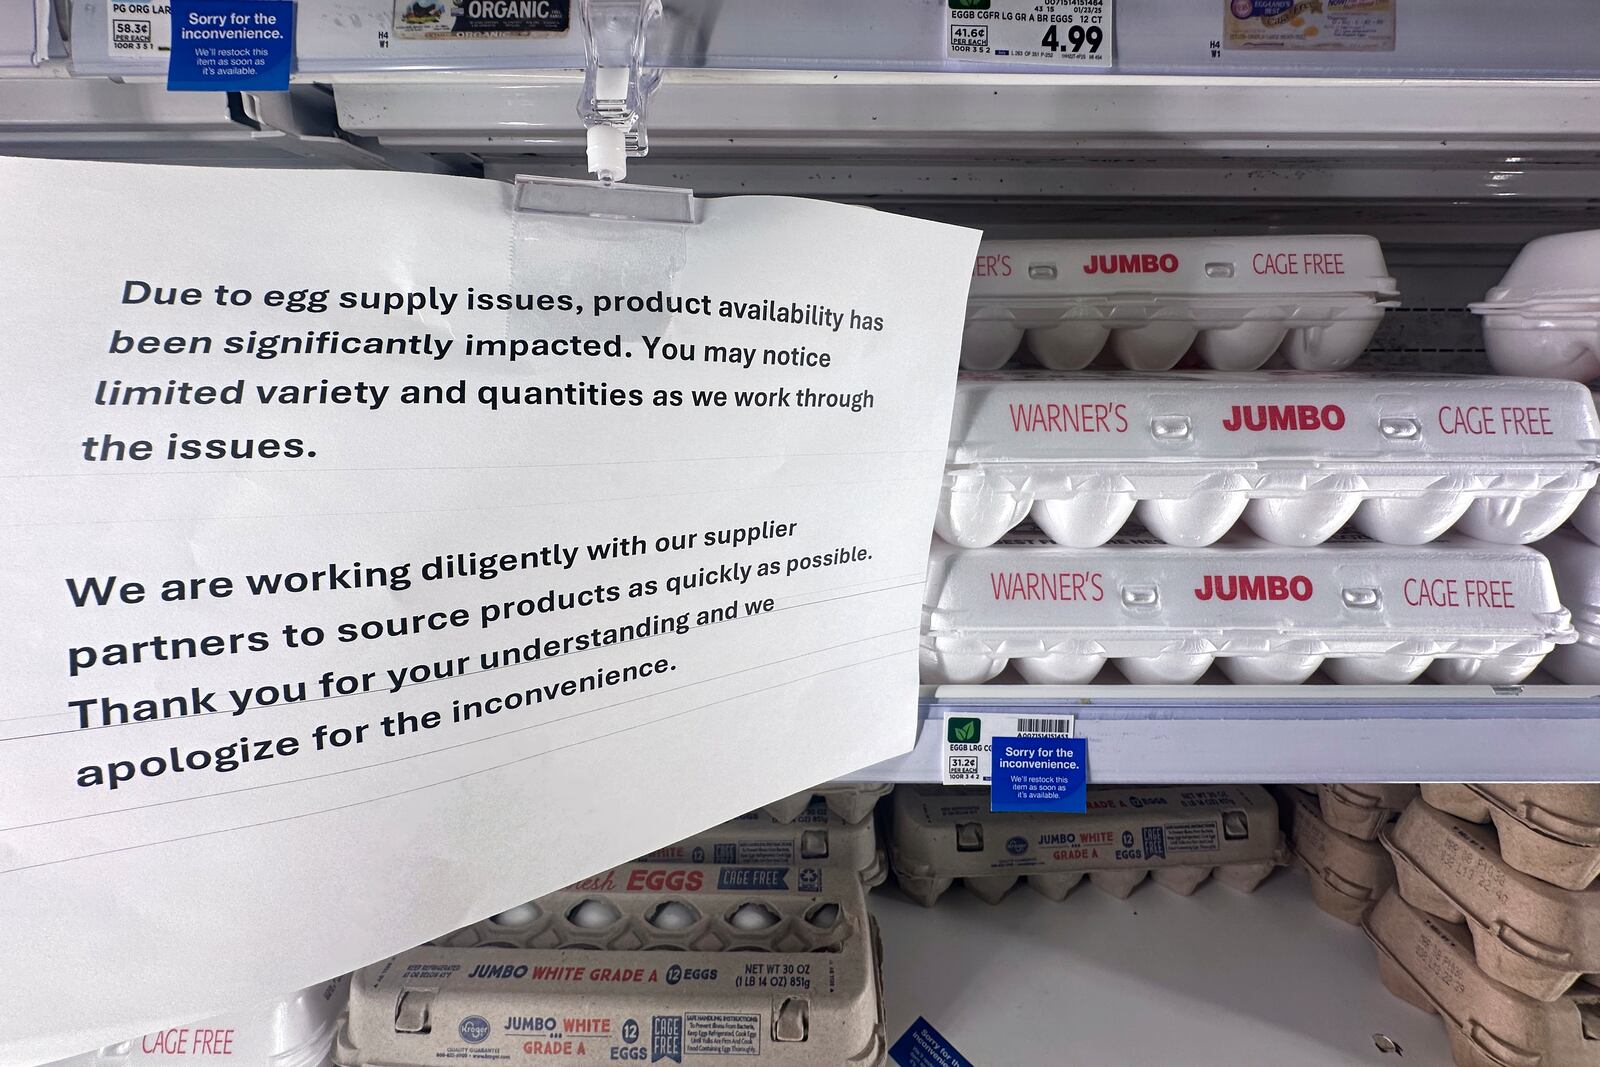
1040	774
367	578
923	1046
1348	25
964	745
1069	33
231	46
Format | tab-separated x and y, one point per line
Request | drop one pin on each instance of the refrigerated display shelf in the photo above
1435	38
1215	979
1304	733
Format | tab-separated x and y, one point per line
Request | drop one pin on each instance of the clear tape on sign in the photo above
1237	301
1294	456
1543	319
1176	835
774	965
1462	611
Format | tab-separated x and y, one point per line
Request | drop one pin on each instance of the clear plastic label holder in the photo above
616	86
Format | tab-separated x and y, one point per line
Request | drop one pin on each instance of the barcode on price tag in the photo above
1076	33
966	737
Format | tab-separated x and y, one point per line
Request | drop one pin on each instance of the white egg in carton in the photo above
1543	319
1364	612
292	1031
1176	835
1236	301
1347	874
1295	456
851	801
1575	562
646	962
817	835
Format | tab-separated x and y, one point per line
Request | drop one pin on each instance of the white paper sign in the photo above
376	557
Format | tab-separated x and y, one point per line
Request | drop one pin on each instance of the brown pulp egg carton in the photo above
1429	963
1362	810
1176	835
1548	830
1348	875
851	801
695	965
817	835
1535	937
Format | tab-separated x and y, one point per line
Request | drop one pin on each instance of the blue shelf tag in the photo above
1039	774
231	46
923	1046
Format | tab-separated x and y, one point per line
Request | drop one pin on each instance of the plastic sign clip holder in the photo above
616	83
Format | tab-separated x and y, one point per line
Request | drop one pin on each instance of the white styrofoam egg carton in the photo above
817	835
1296	456
292	1031
1575	562
1543	319
1235	300
696	965
1176	835
1462	611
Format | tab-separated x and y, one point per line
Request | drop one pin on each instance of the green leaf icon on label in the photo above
969	5
964	731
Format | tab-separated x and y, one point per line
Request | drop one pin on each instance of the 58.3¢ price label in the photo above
1037	32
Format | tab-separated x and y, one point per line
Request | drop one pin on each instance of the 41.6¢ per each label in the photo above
1051	32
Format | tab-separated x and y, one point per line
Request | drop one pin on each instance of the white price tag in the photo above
964	745
1075	33
139	27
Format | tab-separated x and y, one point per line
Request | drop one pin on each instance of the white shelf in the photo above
1307	733
1436	38
1218	979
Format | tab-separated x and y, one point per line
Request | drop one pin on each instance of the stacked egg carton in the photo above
646	962
1496	928
1176	835
818	834
1333	833
1543	321
1443	480
292	1031
851	801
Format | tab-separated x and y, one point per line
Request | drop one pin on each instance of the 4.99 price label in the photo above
1038	32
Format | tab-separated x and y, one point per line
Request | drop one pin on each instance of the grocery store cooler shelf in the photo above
1212	980
1306	733
1436	38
